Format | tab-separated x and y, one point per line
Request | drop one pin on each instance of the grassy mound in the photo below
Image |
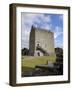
31	61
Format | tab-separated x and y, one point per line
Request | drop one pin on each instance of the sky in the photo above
52	22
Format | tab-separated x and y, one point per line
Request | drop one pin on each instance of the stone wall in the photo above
43	38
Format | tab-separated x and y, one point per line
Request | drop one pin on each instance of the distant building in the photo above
41	42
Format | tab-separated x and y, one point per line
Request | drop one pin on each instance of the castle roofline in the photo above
42	29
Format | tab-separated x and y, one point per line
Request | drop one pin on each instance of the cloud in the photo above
58	44
43	21
58	36
35	19
58	31
25	38
38	20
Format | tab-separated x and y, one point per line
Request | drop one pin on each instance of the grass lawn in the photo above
29	62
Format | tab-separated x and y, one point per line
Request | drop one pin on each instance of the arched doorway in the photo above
38	53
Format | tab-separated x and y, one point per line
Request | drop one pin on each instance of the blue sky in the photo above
52	22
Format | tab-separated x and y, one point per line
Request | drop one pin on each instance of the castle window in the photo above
37	44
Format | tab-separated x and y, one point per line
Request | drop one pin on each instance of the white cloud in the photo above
58	31
25	38
39	20
58	41
58	44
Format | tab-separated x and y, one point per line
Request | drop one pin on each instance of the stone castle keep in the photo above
41	42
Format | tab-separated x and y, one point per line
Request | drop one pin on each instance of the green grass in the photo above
27	69
31	61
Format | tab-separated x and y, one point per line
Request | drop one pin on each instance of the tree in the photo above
25	51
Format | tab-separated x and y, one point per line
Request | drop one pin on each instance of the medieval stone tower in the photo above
41	42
